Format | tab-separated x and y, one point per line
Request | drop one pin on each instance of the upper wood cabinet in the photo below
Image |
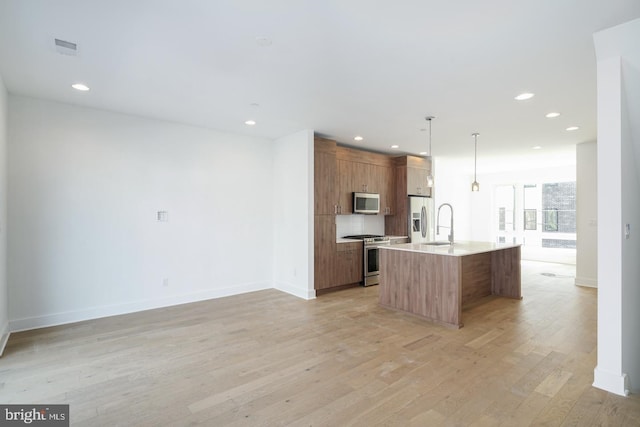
362	171
325	177
346	183
413	171
385	183
410	180
417	182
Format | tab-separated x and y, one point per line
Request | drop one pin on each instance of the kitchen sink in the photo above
437	243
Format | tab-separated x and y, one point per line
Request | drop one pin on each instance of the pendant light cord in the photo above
475	157
430	137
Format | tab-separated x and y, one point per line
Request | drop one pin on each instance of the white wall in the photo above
293	214
608	375
84	189
351	225
618	369
473	211
4	297
453	187
586	215
630	218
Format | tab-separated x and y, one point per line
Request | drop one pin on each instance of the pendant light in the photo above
430	176
475	186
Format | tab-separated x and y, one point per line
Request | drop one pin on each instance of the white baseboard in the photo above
132	307
613	383
586	282
4	337
296	291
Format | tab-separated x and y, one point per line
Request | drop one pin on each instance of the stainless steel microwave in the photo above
366	203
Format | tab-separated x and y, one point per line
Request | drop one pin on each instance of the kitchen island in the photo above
436	281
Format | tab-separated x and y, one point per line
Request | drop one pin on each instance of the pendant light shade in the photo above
430	176
475	186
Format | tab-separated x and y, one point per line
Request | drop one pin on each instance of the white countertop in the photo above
458	249
343	240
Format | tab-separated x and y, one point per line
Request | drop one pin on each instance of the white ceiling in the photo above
342	68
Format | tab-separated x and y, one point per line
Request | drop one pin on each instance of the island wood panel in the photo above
505	268
393	269
425	285
476	277
449	290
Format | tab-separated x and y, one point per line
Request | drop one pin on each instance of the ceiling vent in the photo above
66	48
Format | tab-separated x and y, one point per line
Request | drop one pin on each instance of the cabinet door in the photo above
383	181
417	182
348	265
346	183
325	183
324	250
363	178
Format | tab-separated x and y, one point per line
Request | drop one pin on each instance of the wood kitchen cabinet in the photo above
338	173
361	171
325	248
335	264
417	181
411	176
346	183
385	184
410	179
348	263
325	177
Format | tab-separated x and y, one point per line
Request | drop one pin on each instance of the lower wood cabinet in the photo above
324	251
349	264
335	264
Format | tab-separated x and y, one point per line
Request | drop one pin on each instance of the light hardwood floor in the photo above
268	358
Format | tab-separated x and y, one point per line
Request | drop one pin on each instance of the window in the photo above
551	220
530	219
502	214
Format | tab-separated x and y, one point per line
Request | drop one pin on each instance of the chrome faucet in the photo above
451	223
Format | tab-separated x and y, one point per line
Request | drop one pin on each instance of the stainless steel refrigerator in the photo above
421	219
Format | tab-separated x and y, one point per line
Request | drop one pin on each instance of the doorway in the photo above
539	215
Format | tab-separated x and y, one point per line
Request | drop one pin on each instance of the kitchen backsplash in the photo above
349	225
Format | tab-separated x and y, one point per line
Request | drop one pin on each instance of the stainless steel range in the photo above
371	256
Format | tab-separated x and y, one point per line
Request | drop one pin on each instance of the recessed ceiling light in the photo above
358	138
395	146
552	115
423	153
537	147
263	41
250	122
572	128
80	87
524	96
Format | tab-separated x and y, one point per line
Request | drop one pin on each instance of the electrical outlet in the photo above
627	231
